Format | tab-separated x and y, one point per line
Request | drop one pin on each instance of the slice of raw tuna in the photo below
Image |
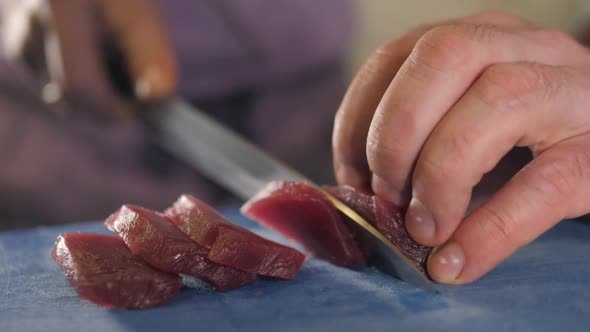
161	244
360	202
387	218
104	271
304	214
231	244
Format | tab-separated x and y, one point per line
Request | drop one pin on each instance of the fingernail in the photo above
446	263
419	222
384	189
349	175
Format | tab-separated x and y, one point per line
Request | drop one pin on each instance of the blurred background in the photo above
274	70
379	20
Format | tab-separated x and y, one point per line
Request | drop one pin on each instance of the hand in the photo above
433	111
65	40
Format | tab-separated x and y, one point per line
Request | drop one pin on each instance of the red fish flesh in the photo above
304	214
104	271
160	243
387	218
231	244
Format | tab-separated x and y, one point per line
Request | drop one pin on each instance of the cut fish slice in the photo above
304	214
104	271
160	243
231	244
387	218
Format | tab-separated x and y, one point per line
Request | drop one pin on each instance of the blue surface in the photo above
544	287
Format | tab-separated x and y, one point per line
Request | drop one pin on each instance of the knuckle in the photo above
555	179
434	169
380	155
388	137
499	224
439	163
376	63
385	60
386	50
483	33
507	87
561	176
447	47
459	145
580	165
428	165
391	48
443	48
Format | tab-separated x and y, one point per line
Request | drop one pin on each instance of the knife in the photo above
244	169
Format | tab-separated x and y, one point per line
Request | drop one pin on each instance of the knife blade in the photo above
216	151
244	169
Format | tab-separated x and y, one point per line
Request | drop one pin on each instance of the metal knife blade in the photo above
239	166
216	151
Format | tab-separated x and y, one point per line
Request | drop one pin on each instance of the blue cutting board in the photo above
544	287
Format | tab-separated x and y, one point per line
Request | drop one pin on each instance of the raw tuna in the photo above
231	244
360	202
159	242
104	271
304	214
387	218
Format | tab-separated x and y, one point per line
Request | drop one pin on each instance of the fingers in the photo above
140	34
509	105
441	67
73	51
554	186
72	43
354	117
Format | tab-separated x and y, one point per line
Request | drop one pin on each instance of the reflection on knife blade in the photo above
242	168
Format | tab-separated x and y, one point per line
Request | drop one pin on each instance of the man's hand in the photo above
64	41
433	111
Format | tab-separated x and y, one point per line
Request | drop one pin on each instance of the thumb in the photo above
554	186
